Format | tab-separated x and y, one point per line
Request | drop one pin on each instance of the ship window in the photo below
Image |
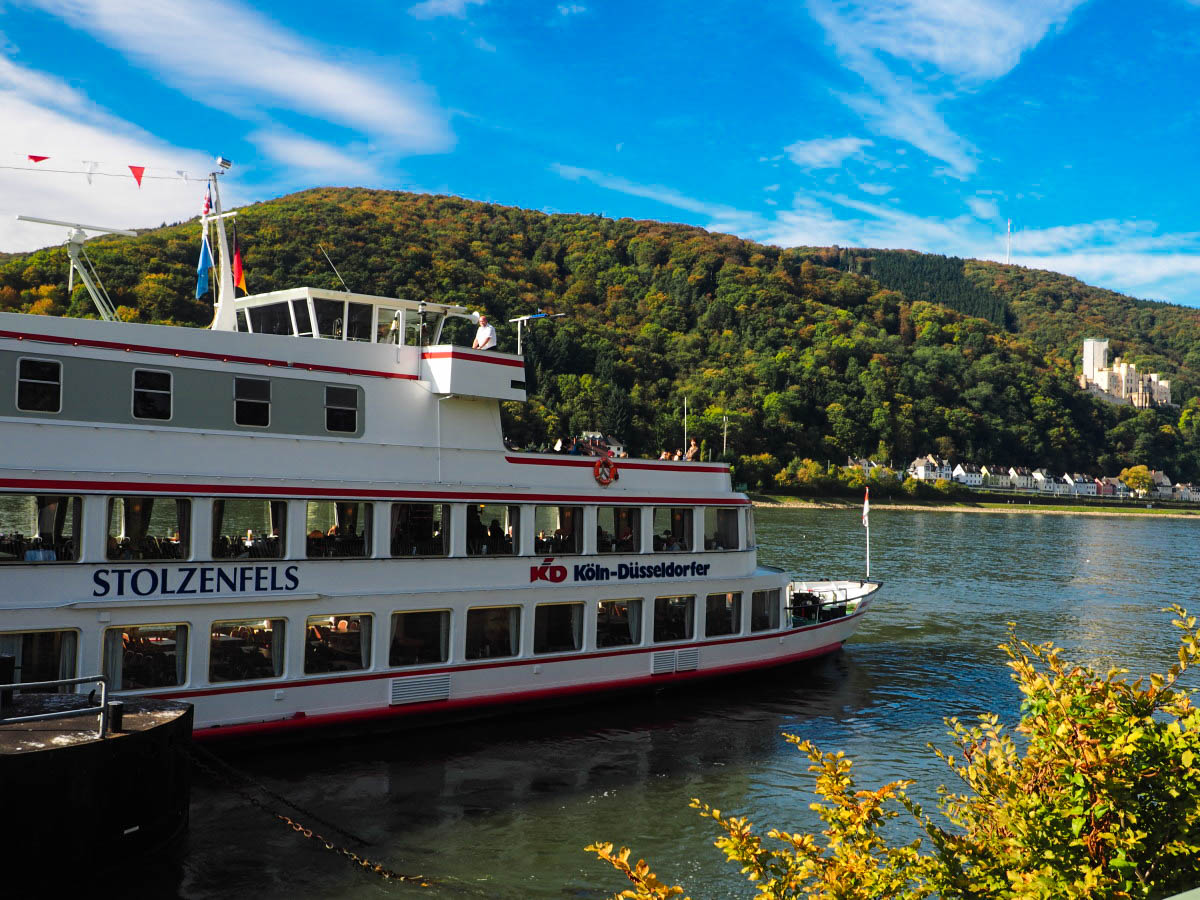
330	315
341	409
358	321
674	618
338	529
151	394
618	529
764	610
273	318
720	528
383	325
241	321
137	657
41	656
246	649
420	637
493	631
619	622
558	528
249	529
252	401
750	539
723	614
557	627
337	643
413	328
36	529
303	322
39	385
149	528
493	530
672	528
420	529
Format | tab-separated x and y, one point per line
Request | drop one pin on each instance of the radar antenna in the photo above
81	264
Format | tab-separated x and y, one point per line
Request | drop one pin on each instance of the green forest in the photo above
818	353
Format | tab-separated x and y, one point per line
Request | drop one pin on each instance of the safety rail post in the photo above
101	710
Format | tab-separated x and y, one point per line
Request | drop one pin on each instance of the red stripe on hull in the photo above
590	461
258	729
260	490
474	357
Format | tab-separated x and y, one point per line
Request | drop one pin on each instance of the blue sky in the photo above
922	124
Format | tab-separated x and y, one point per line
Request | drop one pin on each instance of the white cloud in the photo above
432	9
983	208
254	65
877	189
485	45
304	155
658	193
570	9
914	55
825	153
47	117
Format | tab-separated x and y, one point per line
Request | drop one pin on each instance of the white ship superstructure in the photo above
313	519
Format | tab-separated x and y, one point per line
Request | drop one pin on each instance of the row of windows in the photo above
142	657
40	386
47	528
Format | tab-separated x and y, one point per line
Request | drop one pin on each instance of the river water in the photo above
504	807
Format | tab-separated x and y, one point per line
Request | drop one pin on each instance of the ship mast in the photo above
223	313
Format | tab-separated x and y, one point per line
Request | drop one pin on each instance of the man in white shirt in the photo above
485	337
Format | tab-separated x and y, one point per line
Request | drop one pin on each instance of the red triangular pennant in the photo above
33	158
137	173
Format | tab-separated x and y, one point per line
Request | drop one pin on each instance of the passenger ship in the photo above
320	485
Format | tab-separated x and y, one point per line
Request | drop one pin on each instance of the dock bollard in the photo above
116	715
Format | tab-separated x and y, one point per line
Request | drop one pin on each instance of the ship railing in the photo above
104	710
810	604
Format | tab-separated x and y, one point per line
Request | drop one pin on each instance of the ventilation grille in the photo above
420	689
687	660
662	663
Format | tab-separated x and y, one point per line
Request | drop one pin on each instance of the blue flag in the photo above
206	263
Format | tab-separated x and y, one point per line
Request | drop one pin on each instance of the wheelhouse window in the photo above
764	610
39	385
359	318
337	643
385	316
751	542
41	656
618	529
330	318
420	529
252	402
558	529
674	618
419	638
149	528
720	528
338	529
557	627
672	528
493	631
253	529
39	528
303	320
723	614
151	394
244	650
619	622
273	318
341	409
139	657
493	530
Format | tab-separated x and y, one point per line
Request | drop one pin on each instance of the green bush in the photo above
1102	802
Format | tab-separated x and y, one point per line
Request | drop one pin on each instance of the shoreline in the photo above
783	502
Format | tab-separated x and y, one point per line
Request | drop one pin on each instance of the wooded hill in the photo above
805	352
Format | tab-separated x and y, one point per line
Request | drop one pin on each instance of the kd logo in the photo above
547	572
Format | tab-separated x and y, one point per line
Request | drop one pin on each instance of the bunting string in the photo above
91	168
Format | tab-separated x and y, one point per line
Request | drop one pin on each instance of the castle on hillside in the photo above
1120	383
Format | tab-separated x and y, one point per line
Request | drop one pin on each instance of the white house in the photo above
929	468
1043	481
1162	484
1080	484
1021	479
1189	493
968	474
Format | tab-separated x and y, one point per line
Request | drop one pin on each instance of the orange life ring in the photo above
605	472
